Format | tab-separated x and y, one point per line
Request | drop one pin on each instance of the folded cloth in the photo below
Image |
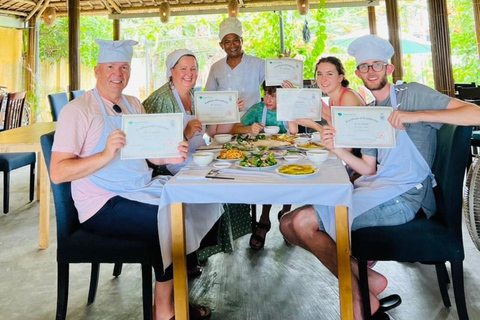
193	174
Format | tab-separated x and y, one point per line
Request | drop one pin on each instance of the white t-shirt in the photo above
79	127
245	78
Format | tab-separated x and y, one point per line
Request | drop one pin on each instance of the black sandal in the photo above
195	312
260	239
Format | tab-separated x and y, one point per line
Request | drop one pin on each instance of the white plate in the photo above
307	149
228	160
297	175
256	168
222	165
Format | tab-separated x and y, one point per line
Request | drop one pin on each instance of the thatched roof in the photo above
25	9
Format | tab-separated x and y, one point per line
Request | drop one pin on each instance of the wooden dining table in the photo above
27	139
330	186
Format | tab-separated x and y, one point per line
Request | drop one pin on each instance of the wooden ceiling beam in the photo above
114	6
13	13
34	10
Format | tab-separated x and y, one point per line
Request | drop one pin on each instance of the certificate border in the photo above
280	92
152	117
366	109
235	98
270	83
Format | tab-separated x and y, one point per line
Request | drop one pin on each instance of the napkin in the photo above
193	174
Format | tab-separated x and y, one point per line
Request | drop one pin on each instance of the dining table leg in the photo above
44	199
180	280
344	263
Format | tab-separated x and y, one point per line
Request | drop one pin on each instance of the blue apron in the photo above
194	143
130	179
399	169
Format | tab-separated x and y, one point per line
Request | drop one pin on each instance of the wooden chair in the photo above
75	245
57	102
75	94
12	161
431	241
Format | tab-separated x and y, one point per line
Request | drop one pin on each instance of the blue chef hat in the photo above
115	51
370	47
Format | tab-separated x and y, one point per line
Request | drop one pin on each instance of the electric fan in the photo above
471	201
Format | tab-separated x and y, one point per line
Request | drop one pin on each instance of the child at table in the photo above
253	121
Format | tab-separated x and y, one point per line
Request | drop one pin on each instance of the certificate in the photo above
216	107
363	127
151	136
295	104
278	70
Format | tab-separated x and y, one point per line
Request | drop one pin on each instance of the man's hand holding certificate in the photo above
279	70
152	136
363	127
216	107
295	104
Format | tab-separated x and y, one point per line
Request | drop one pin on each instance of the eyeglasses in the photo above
376	66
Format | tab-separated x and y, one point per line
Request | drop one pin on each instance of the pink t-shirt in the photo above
79	127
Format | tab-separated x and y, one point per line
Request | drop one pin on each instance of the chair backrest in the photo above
75	94
464	85
57	102
453	144
65	211
14	110
469	93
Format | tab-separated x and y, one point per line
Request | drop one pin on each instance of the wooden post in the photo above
74	44
372	20
116	29
441	52
394	37
476	14
31	48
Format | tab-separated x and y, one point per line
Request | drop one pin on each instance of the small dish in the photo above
292	158
317	156
222	165
202	159
271	129
299	141
316	137
222	138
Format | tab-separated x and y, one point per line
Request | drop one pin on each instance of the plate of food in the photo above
310	146
297	170
284	137
258	163
230	155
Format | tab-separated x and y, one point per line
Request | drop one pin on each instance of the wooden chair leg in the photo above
62	290
442	283
92	292
147	291
6	191
254	216
364	292
117	269
32	181
459	289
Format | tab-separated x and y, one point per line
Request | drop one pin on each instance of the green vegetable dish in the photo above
259	161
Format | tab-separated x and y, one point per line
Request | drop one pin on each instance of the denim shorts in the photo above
390	213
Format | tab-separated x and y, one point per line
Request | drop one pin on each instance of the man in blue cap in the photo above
114	197
403	181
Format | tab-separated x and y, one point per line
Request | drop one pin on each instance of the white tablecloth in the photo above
330	186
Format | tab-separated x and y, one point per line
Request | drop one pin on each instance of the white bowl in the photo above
271	129
316	137
317	156
300	141
202	159
222	138
222	165
292	158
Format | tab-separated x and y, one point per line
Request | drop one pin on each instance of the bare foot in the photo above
357	301
376	282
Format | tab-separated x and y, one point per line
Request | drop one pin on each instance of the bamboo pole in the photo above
441	51
372	20
30	63
116	29
74	43
394	37
476	14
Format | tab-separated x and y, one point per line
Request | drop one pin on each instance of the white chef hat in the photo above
174	56
370	47
230	25
115	51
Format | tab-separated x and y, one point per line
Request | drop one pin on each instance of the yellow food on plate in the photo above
230	154
296	169
284	137
311	145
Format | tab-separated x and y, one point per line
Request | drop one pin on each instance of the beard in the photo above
380	86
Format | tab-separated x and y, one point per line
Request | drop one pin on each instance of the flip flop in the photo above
389	302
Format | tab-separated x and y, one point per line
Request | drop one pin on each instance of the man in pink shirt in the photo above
113	197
